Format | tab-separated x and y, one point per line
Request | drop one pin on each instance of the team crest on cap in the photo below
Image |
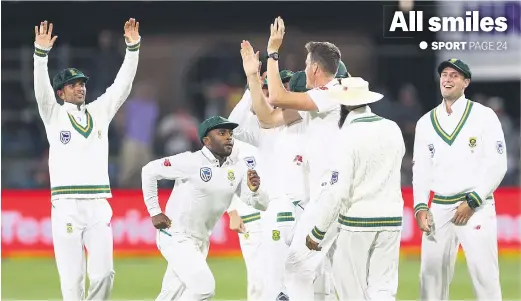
250	162
453	60
205	173
73	72
65	137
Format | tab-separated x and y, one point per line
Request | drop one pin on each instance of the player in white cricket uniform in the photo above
205	183
78	165
321	116
246	220
460	155
265	246
363	198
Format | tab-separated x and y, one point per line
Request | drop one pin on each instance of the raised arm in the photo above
279	96
43	90
248	130
172	168
119	91
268	116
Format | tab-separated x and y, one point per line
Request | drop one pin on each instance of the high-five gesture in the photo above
276	35
43	34
250	59
131	31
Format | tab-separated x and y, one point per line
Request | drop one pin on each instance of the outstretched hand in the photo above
277	31
250	59
131	29
43	35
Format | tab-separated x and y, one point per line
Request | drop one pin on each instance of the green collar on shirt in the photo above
449	139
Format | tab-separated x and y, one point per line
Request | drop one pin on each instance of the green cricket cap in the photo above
214	122
456	64
65	76
297	83
285	76
342	71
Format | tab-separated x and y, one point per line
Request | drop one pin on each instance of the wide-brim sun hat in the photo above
353	91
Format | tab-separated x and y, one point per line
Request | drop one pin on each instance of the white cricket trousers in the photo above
250	242
79	224
188	276
308	273
365	265
278	223
479	241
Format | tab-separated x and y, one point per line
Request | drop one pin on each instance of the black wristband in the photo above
274	55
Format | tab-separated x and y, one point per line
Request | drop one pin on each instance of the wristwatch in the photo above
274	55
471	202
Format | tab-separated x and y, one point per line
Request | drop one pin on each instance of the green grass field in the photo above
32	279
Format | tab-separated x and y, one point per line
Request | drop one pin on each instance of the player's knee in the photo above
102	275
205	288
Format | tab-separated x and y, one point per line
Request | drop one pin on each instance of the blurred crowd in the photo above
143	130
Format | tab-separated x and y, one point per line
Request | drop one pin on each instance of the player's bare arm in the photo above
279	96
236	222
266	114
43	91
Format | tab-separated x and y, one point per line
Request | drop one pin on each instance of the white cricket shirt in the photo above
321	134
78	135
364	187
202	192
456	154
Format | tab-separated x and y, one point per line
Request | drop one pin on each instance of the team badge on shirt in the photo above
298	160
275	235
205	173
499	147
334	177
231	176
65	137
250	162
472	142
99	134
69	227
432	150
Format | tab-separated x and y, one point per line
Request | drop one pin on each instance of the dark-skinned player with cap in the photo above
206	182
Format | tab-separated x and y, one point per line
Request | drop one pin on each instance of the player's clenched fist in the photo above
161	221
253	180
43	35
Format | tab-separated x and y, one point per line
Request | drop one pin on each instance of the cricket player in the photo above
78	164
205	183
321	116
364	196
264	275
246	221
460	155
